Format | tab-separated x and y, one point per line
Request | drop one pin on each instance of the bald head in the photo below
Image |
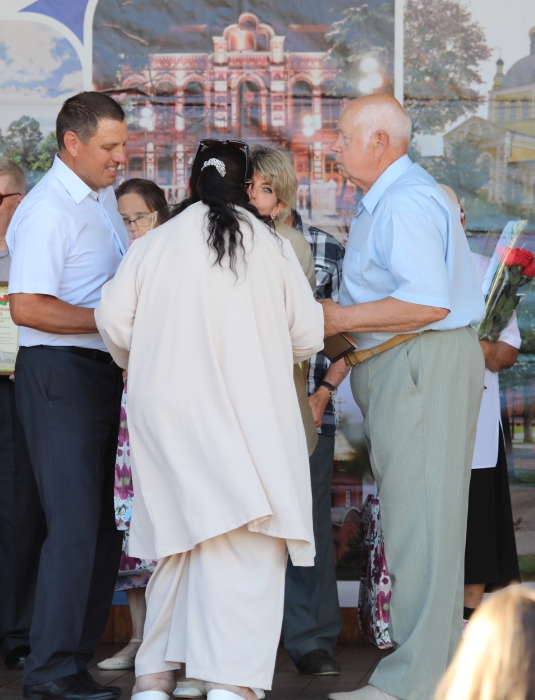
373	132
375	113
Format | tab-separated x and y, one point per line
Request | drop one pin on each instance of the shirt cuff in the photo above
32	288
422	299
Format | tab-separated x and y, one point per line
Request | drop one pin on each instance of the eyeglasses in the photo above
3	196
143	224
206	143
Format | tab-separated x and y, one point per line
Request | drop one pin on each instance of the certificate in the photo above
9	334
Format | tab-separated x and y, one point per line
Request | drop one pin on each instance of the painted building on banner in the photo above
506	139
247	88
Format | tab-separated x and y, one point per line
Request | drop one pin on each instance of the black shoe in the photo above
318	663
75	687
112	688
16	658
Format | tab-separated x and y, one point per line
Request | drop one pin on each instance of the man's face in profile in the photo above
98	160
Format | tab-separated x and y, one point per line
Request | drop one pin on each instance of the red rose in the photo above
529	269
518	256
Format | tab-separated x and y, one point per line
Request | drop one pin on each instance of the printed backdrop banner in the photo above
279	73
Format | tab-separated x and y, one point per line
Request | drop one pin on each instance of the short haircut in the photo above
15	172
153	196
82	114
384	116
277	168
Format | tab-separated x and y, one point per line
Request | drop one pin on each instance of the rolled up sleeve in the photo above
39	247
414	252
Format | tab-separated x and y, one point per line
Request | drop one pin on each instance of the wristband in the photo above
328	386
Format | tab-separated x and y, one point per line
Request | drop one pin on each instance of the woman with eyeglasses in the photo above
210	312
143	206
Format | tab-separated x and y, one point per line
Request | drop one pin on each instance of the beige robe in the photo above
216	435
304	254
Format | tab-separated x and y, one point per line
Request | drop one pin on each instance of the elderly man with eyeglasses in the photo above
22	525
409	294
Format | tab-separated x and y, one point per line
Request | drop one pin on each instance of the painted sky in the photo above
38	70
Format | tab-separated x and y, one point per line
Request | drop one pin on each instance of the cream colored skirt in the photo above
217	608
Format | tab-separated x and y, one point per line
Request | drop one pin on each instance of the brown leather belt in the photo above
355	358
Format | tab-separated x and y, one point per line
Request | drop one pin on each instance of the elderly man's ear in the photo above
382	142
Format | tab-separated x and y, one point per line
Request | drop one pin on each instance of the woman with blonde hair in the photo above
312	621
496	660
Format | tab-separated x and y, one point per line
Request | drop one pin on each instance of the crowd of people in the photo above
170	422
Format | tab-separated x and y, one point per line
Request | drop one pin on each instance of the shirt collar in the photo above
74	185
390	175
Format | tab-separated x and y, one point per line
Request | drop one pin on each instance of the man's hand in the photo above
499	355
384	316
51	315
318	403
335	375
332	316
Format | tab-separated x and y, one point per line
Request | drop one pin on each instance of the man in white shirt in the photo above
409	294
66	240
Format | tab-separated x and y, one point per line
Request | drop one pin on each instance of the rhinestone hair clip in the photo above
217	164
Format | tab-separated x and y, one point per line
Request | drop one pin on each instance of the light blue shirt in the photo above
66	241
407	242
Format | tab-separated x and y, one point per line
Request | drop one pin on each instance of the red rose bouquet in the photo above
507	283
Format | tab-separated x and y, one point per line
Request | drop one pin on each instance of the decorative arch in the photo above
248	34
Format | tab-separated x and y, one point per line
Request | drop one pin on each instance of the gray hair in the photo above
15	172
384	116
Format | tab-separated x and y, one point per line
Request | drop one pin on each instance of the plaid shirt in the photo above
328	258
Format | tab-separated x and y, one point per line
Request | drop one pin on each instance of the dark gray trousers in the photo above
69	407
311	610
22	528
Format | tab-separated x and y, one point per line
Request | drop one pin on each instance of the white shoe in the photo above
227	695
151	695
220	694
369	692
117	663
190	689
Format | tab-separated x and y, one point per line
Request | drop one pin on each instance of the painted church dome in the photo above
522	72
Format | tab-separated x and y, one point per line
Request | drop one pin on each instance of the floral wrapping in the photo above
375	585
133	573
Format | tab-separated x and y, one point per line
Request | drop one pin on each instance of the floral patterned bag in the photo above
375	585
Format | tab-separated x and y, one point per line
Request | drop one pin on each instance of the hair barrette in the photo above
218	164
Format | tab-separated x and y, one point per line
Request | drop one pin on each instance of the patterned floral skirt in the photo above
133	573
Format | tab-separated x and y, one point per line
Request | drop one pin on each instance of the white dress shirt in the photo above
489	422
66	241
407	242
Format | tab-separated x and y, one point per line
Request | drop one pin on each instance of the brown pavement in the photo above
357	662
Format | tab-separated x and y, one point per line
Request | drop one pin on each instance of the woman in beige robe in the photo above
219	452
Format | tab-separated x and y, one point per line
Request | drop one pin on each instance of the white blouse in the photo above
489	422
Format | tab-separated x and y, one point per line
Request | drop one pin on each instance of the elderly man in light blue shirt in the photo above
409	294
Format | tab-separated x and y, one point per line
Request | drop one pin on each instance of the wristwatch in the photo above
330	387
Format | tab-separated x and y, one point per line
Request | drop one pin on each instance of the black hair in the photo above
82	114
153	196
222	194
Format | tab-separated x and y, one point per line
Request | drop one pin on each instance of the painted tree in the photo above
21	142
365	31
444	50
461	169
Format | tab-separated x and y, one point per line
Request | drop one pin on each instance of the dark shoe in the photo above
16	658
75	687
318	663
112	688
